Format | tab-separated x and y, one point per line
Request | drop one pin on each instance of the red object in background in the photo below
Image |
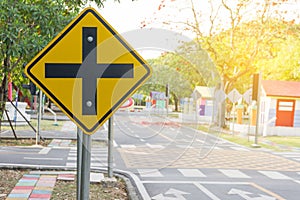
128	103
20	95
9	93
285	112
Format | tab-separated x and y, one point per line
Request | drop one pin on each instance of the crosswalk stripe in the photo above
72	158
233	173
45	150
191	173
275	175
149	173
71	164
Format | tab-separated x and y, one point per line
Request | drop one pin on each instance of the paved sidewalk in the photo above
33	187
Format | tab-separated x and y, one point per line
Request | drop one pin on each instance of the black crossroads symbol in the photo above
89	70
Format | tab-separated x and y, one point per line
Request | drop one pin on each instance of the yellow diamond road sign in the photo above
88	70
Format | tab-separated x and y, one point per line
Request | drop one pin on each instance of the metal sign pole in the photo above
38	133
85	167
110	147
79	161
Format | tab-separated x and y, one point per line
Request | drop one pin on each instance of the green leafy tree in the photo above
182	71
164	74
238	35
26	27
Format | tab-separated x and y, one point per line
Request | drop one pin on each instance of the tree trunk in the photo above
3	96
176	102
220	106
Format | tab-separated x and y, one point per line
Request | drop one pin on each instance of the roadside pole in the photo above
257	111
79	161
85	167
38	132
110	147
167	97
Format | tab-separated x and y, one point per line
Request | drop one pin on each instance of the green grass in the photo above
45	125
286	141
22	142
236	139
244	141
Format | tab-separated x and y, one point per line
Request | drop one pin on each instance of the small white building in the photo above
280	107
203	96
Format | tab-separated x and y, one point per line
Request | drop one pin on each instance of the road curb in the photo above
134	187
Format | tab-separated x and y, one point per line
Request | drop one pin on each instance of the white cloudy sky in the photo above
127	16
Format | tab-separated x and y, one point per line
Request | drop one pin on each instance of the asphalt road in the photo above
173	161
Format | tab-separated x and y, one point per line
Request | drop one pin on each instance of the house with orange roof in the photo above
281	106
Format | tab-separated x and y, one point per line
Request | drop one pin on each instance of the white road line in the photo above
292	156
115	144
104	159
217	148
105	126
98	165
31	158
200	141
233	173
200	182
128	146
45	150
239	149
99	155
72	158
296	181
206	191
30	165
71	164
149	173
275	175
154	146
191	173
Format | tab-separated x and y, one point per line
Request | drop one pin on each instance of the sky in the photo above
127	17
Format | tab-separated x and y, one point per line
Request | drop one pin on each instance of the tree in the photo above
25	28
164	74
236	34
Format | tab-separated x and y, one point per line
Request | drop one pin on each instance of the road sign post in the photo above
85	167
38	132
110	147
79	161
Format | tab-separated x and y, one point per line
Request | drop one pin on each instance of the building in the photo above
281	107
204	100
